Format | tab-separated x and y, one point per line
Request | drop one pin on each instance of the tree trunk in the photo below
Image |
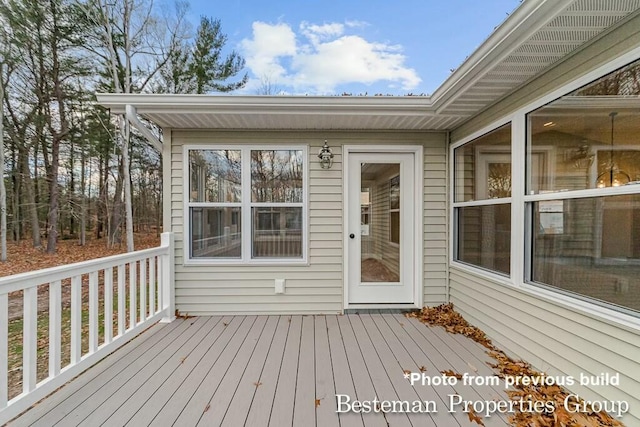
3	190
115	218
127	182
32	207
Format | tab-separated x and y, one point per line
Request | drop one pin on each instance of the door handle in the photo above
353	236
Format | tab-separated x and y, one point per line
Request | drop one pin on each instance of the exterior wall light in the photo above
326	156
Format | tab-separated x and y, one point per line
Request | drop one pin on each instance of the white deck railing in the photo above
138	286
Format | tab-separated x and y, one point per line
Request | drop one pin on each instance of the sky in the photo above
331	47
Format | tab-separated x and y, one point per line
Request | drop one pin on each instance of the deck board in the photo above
270	370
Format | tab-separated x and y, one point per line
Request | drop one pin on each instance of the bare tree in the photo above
3	190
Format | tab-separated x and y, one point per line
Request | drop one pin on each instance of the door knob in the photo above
353	236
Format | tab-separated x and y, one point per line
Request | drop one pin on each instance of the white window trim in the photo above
519	201
245	204
453	230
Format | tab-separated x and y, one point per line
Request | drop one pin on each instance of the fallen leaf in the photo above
257	384
206	408
450	373
407	372
473	417
317	402
183	359
422	369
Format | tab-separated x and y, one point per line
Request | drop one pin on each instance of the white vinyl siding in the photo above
545	328
316	287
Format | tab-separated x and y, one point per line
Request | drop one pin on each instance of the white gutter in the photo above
525	20
132	116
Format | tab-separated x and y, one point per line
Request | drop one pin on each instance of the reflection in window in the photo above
394	210
277	232
588	138
484	236
589	247
273	211
483	167
215	232
214	176
276	176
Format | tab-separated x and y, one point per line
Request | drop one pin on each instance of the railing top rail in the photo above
30	279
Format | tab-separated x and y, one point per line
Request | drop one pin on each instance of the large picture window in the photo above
259	191
482	204
582	191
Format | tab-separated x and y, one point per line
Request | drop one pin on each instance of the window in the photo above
582	193
482	204
394	210
261	191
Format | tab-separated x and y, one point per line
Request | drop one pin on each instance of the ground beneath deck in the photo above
273	370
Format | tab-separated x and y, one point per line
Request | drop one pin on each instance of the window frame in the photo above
455	205
246	204
521	244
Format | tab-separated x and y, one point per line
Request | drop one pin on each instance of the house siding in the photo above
318	286
554	337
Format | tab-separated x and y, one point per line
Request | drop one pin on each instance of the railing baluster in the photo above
152	285
30	339
121	294
150	294
108	305
133	295
55	327
76	319
93	312
4	350
161	282
143	289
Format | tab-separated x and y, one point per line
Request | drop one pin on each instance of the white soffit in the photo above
538	34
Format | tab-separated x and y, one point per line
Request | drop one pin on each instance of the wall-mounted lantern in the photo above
326	156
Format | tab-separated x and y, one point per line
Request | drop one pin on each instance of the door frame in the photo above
418	264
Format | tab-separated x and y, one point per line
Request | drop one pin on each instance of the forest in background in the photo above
71	170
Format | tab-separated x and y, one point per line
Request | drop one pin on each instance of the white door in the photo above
381	229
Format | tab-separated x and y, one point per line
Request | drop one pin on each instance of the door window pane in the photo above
380	261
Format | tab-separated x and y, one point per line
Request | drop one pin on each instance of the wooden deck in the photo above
271	370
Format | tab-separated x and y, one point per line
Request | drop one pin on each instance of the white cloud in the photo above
270	43
322	57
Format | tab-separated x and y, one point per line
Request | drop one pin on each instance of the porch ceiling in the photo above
536	35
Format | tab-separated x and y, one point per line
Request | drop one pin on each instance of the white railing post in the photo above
168	278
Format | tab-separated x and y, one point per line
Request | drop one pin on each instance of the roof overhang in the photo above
535	36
